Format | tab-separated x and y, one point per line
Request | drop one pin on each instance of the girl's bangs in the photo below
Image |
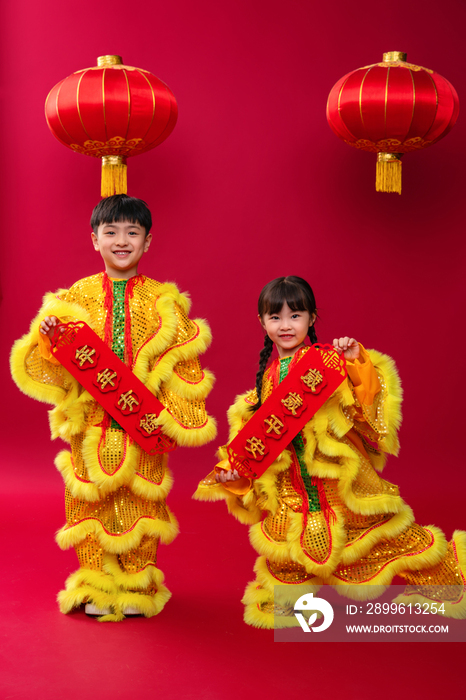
289	293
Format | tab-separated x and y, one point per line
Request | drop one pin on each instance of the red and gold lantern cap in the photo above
391	108
111	111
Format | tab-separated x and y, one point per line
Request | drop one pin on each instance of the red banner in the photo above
112	384
292	404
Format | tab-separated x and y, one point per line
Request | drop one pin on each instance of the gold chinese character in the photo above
149	423
312	378
129	401
275	425
254	445
331	359
105	377
292	402
84	354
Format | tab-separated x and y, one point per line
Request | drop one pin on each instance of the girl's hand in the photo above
348	346
225	475
47	326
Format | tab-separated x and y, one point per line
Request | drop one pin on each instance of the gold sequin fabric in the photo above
443	582
116	512
366	533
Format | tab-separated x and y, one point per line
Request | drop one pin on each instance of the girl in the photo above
320	513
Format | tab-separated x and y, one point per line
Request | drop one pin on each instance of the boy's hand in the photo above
225	475
348	346
47	326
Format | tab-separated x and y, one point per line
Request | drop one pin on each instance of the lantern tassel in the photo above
388	173
114	176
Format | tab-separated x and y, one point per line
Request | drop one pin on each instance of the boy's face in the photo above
121	245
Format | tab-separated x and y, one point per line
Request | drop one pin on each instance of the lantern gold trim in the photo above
391	56
388	172
109	61
114	176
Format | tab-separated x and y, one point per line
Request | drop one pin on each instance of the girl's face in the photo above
287	329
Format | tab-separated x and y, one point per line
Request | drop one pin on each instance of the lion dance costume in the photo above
321	514
116	512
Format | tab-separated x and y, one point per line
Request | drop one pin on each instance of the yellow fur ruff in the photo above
71	536
106	591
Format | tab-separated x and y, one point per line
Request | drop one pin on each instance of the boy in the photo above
116	513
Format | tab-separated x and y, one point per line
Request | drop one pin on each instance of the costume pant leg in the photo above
269	599
434	569
116	537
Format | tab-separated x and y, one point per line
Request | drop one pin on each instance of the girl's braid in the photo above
312	334
263	359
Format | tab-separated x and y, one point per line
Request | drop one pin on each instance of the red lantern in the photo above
392	108
112	111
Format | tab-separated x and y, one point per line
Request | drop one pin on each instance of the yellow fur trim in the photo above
70	536
366	505
194	346
283	593
211	492
147	605
243	508
253	597
187	437
245	515
256	594
79	489
376	586
346	471
69	417
277	551
316	434
97	579
141	579
187	390
238	414
108	592
335	417
183	299
256	618
292	550
89	491
37	390
68	600
392	408
147	489
107	482
161	341
338	536
389	530
454	610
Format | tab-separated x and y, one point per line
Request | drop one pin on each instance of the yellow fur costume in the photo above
366	534
116	513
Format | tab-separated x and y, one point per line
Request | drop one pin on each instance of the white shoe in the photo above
92	609
129	610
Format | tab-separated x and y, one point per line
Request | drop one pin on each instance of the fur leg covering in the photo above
267	595
114	589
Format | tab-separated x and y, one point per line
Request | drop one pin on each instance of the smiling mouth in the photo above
121	253
286	336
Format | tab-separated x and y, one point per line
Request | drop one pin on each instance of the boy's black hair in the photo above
121	207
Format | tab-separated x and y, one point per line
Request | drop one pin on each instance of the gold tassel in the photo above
388	174
114	179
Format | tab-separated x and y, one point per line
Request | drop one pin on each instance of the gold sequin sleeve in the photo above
185	384
377	395
240	496
31	368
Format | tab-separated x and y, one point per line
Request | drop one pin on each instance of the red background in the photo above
252	184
